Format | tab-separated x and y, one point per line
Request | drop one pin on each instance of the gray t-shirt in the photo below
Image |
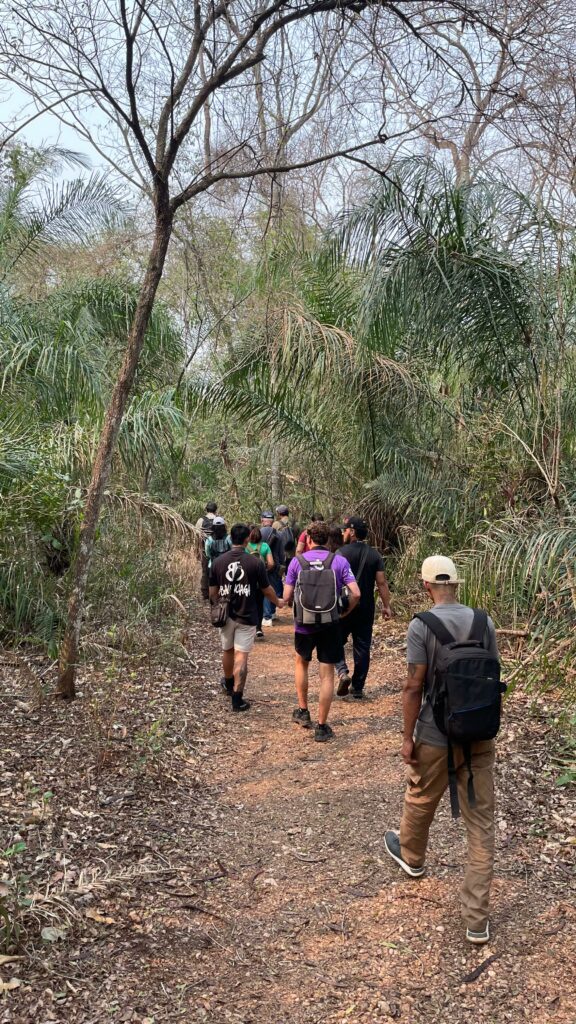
421	650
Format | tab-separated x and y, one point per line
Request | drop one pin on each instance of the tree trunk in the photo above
69	650
275	474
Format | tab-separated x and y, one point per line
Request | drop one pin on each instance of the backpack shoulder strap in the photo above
302	562
327	563
443	635
479	627
362	563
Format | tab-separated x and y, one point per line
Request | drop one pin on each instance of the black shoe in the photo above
238	702
358	694
227	686
322	733
393	849
344	682
259	634
302	717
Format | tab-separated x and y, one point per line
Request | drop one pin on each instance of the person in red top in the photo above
304	542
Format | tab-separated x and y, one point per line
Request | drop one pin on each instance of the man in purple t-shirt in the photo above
325	639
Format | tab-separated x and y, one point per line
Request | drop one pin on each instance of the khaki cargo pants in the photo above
427	782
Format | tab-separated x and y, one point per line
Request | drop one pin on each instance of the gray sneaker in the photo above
392	847
479	938
344	683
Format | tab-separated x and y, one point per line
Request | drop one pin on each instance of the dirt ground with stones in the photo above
193	865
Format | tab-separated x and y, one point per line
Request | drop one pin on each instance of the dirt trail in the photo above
319	926
210	867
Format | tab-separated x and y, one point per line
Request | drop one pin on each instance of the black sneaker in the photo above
302	717
392	847
323	733
259	634
227	686
357	694
344	682
238	702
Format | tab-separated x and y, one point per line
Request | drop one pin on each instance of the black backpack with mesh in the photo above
466	697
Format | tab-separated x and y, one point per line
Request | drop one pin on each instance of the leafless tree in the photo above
473	91
141	81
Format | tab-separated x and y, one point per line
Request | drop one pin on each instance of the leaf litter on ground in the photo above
193	867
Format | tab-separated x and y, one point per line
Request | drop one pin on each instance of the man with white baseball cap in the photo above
426	751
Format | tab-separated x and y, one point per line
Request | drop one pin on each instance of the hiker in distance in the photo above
258	547
218	542
367	565
314	584
235	578
451	707
287	534
304	543
272	539
204	525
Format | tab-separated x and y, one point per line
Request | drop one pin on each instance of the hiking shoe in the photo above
392	846
479	938
227	686
266	622
322	733
238	702
357	694
259	634
302	717
344	682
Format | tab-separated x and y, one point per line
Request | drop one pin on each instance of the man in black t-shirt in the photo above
367	565
238	574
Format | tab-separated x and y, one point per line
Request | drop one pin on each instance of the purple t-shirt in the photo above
341	568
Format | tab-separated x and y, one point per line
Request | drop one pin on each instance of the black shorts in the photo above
327	641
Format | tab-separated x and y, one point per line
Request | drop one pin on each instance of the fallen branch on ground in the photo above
468	978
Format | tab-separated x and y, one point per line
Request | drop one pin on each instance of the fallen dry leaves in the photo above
193	866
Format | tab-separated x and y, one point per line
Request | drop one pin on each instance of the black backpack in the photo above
316	593
206	528
467	695
288	540
274	542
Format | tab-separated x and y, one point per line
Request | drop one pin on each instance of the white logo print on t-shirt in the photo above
231	572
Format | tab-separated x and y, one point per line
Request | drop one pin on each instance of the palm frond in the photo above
141	505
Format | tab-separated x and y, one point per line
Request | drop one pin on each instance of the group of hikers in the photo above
329	575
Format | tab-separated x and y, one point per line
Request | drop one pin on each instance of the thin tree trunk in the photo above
69	650
275	475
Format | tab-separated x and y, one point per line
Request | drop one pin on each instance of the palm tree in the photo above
424	357
475	286
59	351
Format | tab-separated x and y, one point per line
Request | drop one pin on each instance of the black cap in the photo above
356	523
283	510
266	515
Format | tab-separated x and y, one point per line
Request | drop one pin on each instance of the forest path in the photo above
317	924
203	867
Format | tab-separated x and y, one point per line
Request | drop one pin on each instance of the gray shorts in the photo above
238	636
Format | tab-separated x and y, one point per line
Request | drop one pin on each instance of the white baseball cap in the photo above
439	569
